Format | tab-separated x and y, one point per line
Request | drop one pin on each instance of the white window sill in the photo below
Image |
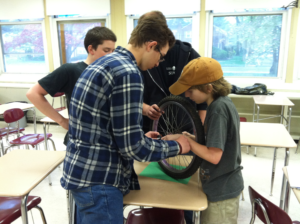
14	80
275	85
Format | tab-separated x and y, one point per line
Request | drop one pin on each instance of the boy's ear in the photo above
151	45
90	49
209	88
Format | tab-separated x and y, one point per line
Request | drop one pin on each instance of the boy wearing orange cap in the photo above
202	81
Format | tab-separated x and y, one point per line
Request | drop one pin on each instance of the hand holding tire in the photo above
153	112
185	145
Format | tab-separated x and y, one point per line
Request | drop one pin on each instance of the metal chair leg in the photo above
42	214
8	148
298	146
2	148
52	144
243	199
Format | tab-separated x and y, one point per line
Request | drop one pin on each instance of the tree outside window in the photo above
23	48
247	45
71	37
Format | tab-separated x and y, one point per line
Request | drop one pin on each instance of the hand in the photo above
153	112
185	145
64	123
189	135
171	137
152	134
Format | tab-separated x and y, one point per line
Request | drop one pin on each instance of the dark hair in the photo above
152	28
97	35
154	14
220	88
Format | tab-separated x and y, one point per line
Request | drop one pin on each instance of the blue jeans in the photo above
99	204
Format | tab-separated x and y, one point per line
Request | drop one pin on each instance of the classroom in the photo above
256	44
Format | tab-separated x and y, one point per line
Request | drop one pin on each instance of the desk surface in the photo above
296	191
266	135
166	194
22	106
22	170
272	100
63	113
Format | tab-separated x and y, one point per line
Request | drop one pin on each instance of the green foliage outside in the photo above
250	40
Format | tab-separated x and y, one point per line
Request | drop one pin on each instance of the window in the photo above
184	28
296	74
250	44
68	44
180	27
23	48
71	37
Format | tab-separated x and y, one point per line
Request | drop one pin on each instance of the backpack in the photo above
256	89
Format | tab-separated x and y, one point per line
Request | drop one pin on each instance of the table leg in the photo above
46	147
253	112
282	115
273	170
257	116
290	116
287	197
24	209
196	216
286	163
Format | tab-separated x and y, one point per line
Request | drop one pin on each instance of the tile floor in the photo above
256	172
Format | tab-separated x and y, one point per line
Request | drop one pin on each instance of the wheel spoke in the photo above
178	117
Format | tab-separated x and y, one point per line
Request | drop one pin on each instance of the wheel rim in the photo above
175	120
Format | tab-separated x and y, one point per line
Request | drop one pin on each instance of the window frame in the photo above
296	72
195	26
20	75
284	46
55	36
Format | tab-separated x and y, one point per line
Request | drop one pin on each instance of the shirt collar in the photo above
126	52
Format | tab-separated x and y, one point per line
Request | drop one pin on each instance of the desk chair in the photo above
266	211
5	132
10	208
155	216
14	115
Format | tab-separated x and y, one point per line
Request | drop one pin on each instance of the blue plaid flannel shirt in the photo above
105	120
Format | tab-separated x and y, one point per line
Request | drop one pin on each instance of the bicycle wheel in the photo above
179	115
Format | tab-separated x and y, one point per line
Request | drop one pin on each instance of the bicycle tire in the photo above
168	104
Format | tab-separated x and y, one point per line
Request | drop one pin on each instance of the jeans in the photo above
99	204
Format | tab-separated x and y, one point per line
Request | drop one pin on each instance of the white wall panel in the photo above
238	4
21	9
167	7
83	7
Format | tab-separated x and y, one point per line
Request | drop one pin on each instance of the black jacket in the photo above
158	80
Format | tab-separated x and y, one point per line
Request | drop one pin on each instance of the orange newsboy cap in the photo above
199	71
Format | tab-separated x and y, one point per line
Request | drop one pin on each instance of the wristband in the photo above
180	148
